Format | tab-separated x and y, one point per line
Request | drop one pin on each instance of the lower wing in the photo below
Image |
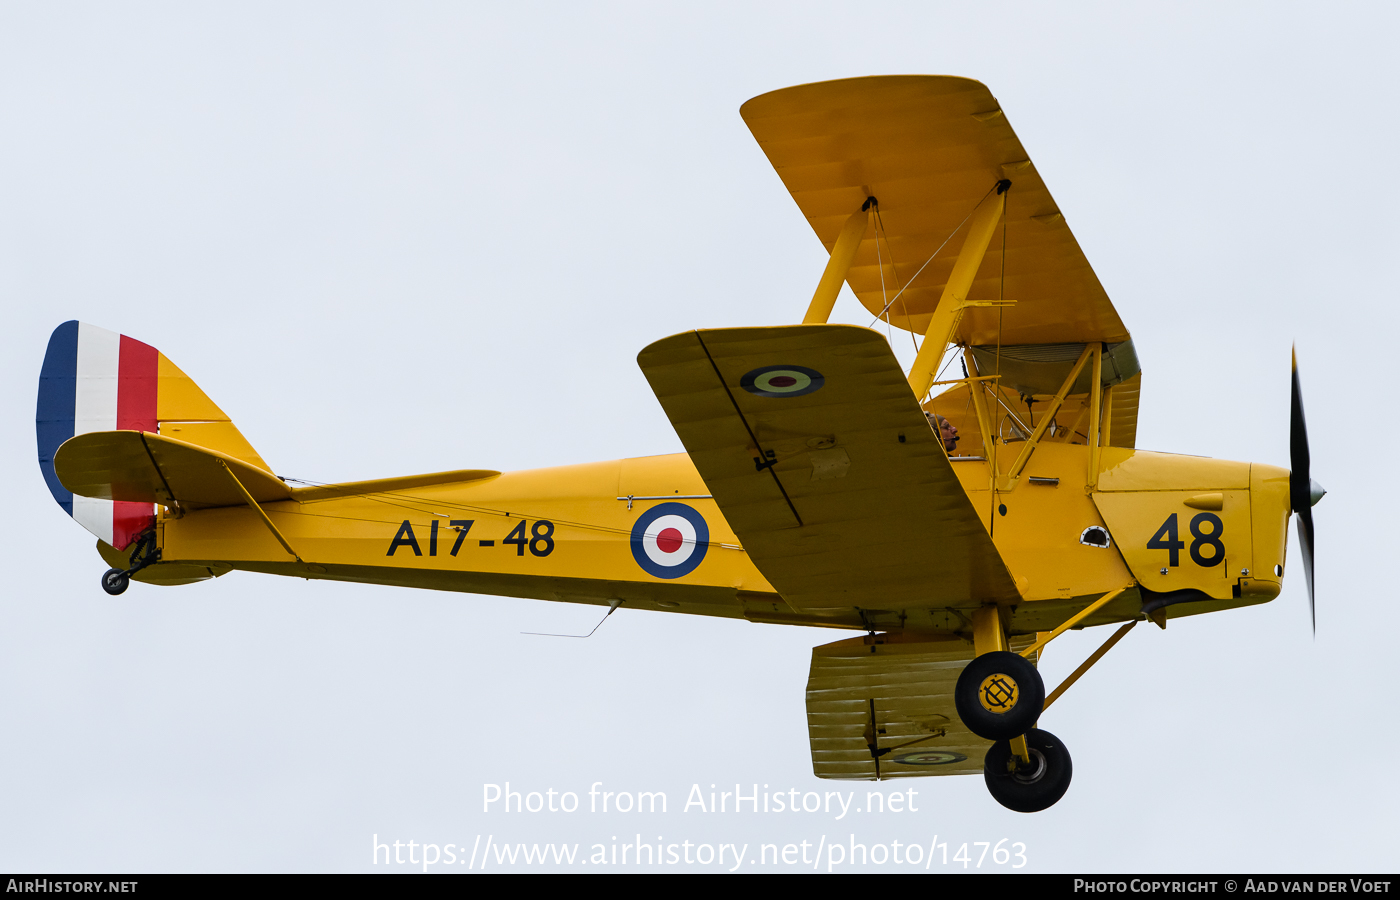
821	460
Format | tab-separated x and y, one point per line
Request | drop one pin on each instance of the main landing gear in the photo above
1000	696
145	553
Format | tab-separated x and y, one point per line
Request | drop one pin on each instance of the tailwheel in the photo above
115	581
1033	786
145	552
999	695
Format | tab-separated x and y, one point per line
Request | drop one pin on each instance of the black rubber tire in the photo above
1032	791
115	581
1017	719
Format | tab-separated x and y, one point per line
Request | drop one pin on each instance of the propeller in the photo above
1303	492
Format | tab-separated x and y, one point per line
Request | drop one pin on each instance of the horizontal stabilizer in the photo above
135	466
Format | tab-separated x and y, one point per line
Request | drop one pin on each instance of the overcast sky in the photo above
400	238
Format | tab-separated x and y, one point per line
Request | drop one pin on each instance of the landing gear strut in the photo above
116	581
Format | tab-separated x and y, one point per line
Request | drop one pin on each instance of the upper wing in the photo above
929	148
860	506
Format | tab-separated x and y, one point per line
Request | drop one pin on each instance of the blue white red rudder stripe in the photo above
96	380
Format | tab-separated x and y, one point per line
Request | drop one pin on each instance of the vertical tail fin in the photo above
97	380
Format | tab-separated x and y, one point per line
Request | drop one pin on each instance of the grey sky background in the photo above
397	238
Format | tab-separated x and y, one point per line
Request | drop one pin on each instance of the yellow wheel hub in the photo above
998	693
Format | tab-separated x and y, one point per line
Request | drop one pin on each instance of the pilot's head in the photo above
946	430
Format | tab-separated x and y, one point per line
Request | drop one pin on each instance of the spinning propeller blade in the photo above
1303	491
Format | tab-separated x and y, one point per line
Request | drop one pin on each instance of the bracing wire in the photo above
935	253
894	268
884	295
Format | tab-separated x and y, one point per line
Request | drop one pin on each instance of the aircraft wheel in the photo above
1031	788
115	581
999	695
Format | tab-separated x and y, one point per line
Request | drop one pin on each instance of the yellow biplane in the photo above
957	524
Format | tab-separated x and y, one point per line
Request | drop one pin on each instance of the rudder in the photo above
97	380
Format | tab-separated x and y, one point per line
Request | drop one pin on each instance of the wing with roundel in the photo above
881	707
826	468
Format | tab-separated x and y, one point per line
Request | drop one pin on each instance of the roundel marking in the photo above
782	381
930	758
669	540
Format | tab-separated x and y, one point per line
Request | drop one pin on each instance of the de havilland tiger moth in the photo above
956	525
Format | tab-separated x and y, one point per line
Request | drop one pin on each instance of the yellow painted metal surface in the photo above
865	697
930	147
186	413
348	531
1041	533
164	574
1192	523
389	485
882	707
842	254
1169	546
988	636
252	504
1144	470
558	534
149	468
841	493
954	301
1044	637
1269	512
1088	664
